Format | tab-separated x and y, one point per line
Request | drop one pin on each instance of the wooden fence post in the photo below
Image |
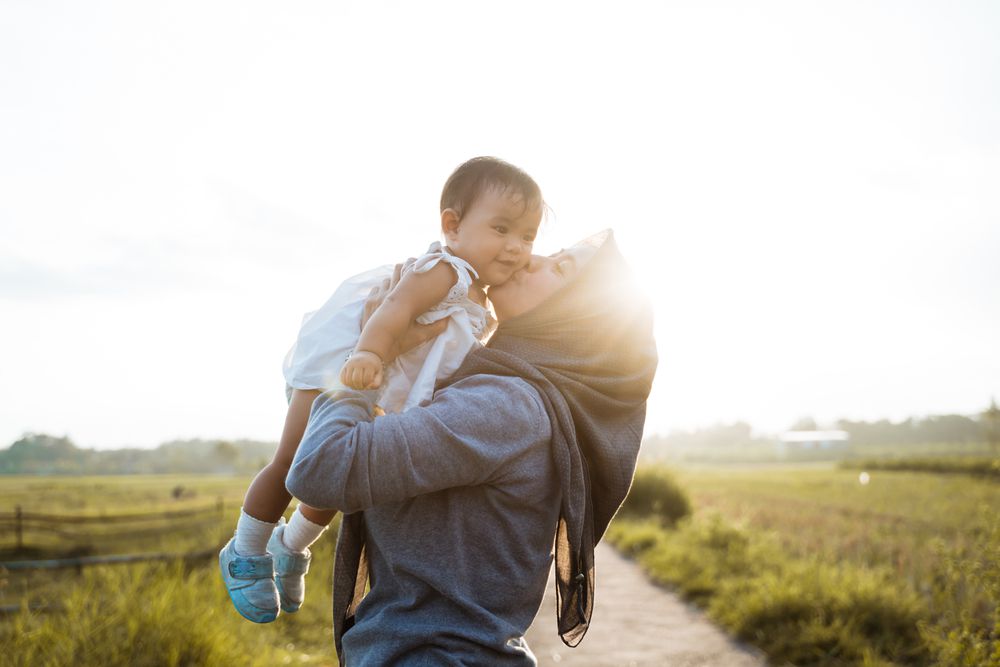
17	527
221	505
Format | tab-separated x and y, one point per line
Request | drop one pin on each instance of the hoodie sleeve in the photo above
473	432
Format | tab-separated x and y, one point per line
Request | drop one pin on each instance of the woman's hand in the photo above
417	333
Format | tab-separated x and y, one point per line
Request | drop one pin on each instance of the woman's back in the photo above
471	558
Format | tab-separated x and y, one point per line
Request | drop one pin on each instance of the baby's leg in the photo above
305	527
284	549
267	498
321	517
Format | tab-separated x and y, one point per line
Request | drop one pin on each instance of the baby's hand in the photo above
362	371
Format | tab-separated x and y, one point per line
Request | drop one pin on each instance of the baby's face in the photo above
495	235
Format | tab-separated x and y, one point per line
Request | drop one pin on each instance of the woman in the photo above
452	508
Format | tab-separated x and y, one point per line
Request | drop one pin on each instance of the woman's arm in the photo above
415	294
473	432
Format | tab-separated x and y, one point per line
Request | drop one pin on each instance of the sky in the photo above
808	193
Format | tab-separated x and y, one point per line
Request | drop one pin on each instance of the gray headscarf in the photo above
589	352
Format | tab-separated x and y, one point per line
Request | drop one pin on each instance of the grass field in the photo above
776	552
144	614
901	521
117	496
806	562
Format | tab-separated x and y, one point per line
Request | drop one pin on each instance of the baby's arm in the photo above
415	294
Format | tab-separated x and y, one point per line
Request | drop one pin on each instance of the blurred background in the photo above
808	192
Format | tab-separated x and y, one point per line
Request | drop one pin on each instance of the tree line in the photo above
737	441
43	454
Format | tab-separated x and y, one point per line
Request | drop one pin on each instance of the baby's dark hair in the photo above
481	174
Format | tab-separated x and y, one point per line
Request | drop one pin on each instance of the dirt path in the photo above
638	624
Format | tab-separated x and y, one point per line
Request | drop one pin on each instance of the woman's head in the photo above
582	307
490	212
540	279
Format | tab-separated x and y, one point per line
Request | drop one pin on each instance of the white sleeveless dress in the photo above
329	334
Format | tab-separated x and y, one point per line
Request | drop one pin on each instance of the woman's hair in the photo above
481	174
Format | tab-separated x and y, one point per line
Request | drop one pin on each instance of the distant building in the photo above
812	444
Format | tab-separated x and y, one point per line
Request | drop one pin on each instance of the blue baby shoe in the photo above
290	568
250	582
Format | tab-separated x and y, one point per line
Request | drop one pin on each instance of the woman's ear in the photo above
449	223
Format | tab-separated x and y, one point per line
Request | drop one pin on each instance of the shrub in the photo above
977	467
655	493
635	537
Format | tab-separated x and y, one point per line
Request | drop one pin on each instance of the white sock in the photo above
301	532
252	535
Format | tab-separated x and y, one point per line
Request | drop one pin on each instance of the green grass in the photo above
954	450
141	614
115	494
817	568
119	495
891	522
799	611
808	563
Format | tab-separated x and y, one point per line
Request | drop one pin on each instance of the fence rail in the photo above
18	514
49	522
73	527
114	559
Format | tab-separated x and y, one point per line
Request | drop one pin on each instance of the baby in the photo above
490	212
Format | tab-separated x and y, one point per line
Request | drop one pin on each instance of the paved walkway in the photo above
636	624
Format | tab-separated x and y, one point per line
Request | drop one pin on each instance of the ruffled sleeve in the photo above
463	270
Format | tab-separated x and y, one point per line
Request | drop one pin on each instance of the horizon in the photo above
808	194
755	432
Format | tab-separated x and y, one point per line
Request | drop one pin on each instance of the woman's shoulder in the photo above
487	382
503	397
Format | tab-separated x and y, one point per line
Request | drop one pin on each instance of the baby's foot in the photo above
290	568
250	582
